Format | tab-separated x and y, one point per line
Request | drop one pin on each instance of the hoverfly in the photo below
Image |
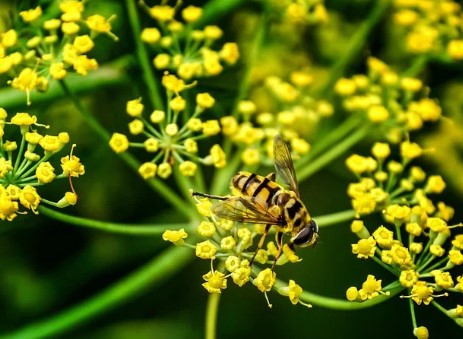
260	200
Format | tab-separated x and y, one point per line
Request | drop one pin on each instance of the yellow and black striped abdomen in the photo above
253	185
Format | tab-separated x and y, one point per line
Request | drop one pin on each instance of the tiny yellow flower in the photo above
147	170
171	129
436	250
250	156
443	279
8	208
413	228
210	127
370	288
204	206
265	280
378	114
401	256
206	250
29	198
384	237
352	293
71	166
51	143
134	108
435	184
57	70
408	278
212	32
228	243
458	241
410	150
241	274
204	100
416	247
229	125
218	156
381	150
455	49
31	14
230	53
188	168
45	172
161	61
422	293
345	87
69	199
157	116
119	142
232	263
24	120
83	44
162	13
177	104
437	225
151	144
293	291
70	28
359	164
191	13
136	127
365	248
175	237
421	332
164	170
358	227
206	229
215	282
150	35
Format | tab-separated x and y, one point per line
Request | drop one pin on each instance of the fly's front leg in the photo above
210	196
279	240
261	242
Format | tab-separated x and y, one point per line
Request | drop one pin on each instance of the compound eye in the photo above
308	236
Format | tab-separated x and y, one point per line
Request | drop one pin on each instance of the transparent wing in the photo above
245	209
284	164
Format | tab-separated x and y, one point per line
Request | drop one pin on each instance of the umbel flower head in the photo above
179	47
415	241
39	49
26	165
171	136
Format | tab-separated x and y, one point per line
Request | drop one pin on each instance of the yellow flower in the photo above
210	127
29	198
147	170
31	14
359	164
23	119
83	43
352	293
384	237
71	166
250	156
164	170
175	237
435	184
204	100
119	143
401	256
408	278
45	172
265	280
422	293
206	250
82	64
230	53
436	250
370	288
378	113
421	332
70	28
51	143
232	263
191	13
293	291
150	35
57	70
437	225
215	281
241	274
206	229
458	241
71	9
455	49
410	150
177	104
381	150
218	156
365	248
162	13
443	279
358	227
136	127
5	167
188	168
229	125
69	199
99	24
134	108
345	87
228	243
8	208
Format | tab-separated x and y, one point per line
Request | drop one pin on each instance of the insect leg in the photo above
261	242
210	196
279	239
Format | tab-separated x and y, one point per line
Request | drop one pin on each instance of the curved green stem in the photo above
417	66
158	270
412	312
334	218
142	56
213	302
160	187
128	229
333	153
356	44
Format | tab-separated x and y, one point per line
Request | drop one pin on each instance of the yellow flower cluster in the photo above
232	245
171	135
396	104
43	49
298	114
26	166
415	243
431	27
180	47
300	11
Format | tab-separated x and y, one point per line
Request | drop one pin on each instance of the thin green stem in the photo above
417	66
212	310
334	218
143	57
412	312
152	274
340	304
439	307
112	227
156	184
356	45
333	153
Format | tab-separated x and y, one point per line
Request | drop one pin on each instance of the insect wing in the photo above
284	164
245	209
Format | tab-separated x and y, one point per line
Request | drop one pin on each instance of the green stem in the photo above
213	302
160	187
339	304
334	218
412	312
143	57
416	67
128	229
356	44
439	307
333	153
156	271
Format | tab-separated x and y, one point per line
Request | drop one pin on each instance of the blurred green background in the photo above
47	266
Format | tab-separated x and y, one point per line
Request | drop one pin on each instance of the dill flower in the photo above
24	170
53	56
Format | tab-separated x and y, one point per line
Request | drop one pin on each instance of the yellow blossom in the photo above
31	14
443	279
176	237
204	100
147	170
210	127
370	288
436	250
206	250
458	241
218	156
455	49
204	206
381	150
365	248
408	278
136	127
215	281
422	293
134	108
230	53
437	225
410	150
228	243
241	274
188	168
69	199
71	166
377	113
352	293
8	208
421	332
232	263
265	280
150	35
164	170
435	184
384	237
29	198
162	13
401	256
119	143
